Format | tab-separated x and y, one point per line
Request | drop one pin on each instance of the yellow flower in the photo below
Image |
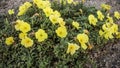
22	35
48	11
11	11
27	42
100	15
92	19
61	31
105	6
108	35
69	1
36	1
23	8
83	39
109	29
61	22
41	35
56	13
72	48
75	24
118	35
101	32
54	19
109	19
25	27
9	40
43	4
117	14
18	24
114	28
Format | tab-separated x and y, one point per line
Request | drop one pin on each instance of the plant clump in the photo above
55	34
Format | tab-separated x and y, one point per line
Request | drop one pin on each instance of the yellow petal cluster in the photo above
48	11
22	35
83	39
41	35
109	19
118	35
100	15
11	11
22	26
117	14
42	4
18	24
61	21
27	42
23	8
76	24
108	29
92	19
105	6
9	41
70	1
72	48
54	17
25	27
61	31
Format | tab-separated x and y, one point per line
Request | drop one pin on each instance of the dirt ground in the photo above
106	57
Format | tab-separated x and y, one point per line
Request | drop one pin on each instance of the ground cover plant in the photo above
55	34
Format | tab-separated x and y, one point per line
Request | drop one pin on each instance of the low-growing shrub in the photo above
55	34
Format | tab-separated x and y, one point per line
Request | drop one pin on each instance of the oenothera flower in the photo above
9	40
75	24
100	15
18	24
27	42
72	48
105	6
42	4
70	1
83	39
48	11
108	29
56	13
36	1
92	19
54	19
41	35
61	31
109	19
22	35
117	14
11	11
118	35
23	8
61	22
25	27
